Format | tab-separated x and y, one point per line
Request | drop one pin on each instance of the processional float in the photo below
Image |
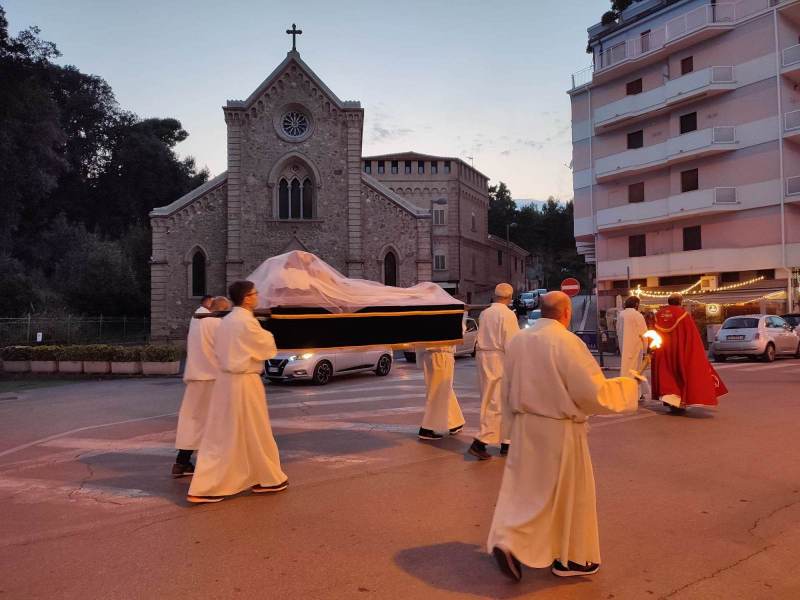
307	304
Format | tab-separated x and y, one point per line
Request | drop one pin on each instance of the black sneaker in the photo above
504	449
266	489
478	450
456	430
428	434
574	569
181	470
508	563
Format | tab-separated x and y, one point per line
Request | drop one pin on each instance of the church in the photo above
297	180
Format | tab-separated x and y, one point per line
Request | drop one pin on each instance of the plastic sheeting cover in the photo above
302	279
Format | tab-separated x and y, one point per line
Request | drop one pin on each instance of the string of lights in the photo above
690	291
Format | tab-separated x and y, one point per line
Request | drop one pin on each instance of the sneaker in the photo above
428	434
478	450
574	569
266	489
504	449
508	563
204	499
181	470
456	430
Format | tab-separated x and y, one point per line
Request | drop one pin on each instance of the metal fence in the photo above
73	330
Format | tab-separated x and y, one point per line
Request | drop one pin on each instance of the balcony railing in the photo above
791	121
675	90
694	20
793	186
725	195
702	16
791	55
659	155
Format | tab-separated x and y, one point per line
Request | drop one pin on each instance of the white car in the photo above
532	317
764	336
465	348
319	366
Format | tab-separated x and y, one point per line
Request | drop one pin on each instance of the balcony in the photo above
790	62
694	86
791	126
690	204
685	147
685	30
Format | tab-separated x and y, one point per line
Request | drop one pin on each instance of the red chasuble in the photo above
680	366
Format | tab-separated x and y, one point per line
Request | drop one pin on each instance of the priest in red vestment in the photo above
681	373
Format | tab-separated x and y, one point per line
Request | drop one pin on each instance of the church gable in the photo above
292	73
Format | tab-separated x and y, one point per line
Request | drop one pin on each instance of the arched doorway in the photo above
390	269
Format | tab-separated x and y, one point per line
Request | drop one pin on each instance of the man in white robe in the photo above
546	514
442	411
238	450
631	326
199	375
498	325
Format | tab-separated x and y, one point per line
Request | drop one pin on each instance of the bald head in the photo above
220	303
503	291
556	306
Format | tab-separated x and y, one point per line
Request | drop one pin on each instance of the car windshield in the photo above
535	314
527	295
741	323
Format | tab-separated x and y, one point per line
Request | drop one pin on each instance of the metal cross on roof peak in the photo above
294	32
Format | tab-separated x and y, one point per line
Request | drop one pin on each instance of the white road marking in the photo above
766	367
78	430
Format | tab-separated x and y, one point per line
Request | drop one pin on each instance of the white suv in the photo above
764	336
320	365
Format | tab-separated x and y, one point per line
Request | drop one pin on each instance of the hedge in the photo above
93	352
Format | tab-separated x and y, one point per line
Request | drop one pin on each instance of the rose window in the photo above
295	124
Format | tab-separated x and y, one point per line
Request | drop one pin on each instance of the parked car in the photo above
764	336
465	348
792	319
527	300
320	366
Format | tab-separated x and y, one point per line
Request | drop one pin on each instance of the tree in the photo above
502	209
31	139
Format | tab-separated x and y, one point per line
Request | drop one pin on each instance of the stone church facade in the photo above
296	180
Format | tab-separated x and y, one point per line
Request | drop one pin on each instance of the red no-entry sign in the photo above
571	286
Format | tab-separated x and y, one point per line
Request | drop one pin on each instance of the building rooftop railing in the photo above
707	15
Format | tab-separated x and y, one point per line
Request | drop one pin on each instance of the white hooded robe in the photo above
546	507
498	325
238	449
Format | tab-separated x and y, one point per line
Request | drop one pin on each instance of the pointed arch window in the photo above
390	269
295	199
199	274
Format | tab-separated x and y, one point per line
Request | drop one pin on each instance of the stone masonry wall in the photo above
201	224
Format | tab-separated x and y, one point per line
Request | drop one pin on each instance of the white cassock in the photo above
546	507
441	405
238	449
498	325
199	376
630	328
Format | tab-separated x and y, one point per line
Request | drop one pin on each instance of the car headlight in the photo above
307	355
292	358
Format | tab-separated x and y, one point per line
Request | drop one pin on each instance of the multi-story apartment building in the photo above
686	151
467	260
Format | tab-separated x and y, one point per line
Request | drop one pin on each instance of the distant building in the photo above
686	151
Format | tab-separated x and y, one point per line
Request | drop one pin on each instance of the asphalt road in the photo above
704	506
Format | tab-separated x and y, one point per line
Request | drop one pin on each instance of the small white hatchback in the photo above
755	336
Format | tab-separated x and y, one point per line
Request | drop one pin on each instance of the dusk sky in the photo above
459	78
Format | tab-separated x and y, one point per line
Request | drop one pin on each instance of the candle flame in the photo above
655	339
